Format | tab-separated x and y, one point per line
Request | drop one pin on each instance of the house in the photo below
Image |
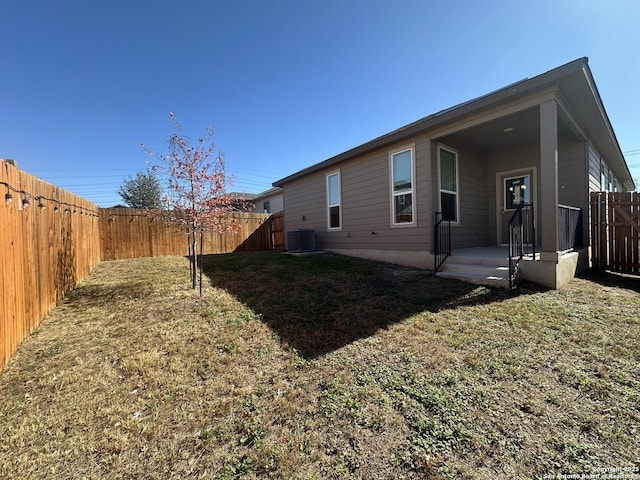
543	143
269	201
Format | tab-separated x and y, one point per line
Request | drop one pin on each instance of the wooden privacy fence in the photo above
615	231
133	233
49	241
268	236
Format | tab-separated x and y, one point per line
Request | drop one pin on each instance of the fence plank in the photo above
595	231
133	233
632	242
604	230
616	231
43	252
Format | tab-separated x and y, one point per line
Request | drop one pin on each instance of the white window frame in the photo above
441	190
412	190
330	205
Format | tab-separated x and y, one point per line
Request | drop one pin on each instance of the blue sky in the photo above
286	83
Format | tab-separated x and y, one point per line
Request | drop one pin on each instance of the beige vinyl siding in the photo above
305	198
366	204
594	169
520	157
434	181
593	181
571	169
572	181
472	230
473	191
276	203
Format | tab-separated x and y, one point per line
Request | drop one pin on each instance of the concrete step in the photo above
476	269
480	271
489	281
470	260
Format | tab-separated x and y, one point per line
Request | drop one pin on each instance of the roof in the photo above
242	196
267	193
574	80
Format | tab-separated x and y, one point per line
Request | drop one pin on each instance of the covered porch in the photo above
530	155
542	144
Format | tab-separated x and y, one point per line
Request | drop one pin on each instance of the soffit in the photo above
519	128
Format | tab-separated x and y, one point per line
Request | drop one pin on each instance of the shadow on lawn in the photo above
317	304
613	279
101	295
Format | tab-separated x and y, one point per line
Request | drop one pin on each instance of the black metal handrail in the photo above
522	238
441	241
569	227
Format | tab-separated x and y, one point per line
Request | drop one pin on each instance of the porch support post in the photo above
548	211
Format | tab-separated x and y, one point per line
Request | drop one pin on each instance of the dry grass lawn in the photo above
323	367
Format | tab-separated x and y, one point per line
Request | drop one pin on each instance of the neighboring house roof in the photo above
577	86
267	193
242	196
240	202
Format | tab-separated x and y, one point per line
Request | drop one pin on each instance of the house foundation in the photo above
555	273
415	259
552	271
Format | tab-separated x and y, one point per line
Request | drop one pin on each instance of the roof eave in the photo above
267	193
504	94
614	145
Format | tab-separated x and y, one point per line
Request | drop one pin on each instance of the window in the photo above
266	208
448	184
605	177
334	214
402	187
516	191
608	182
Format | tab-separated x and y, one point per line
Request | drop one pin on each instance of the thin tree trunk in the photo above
201	249
190	257
194	250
